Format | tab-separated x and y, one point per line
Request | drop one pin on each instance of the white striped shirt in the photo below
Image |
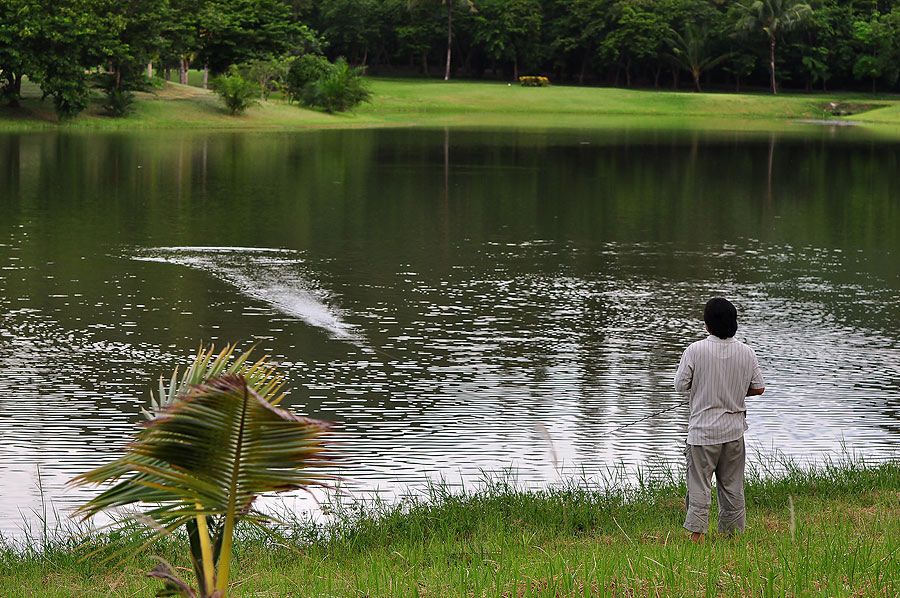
718	372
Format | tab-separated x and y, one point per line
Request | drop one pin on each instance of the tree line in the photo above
817	44
652	43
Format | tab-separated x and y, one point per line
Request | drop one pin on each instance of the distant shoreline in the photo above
459	104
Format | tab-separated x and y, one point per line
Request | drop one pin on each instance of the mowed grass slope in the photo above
173	106
472	104
456	96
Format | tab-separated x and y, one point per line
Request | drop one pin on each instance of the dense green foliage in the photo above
339	88
268	74
304	71
718	43
118	102
237	92
626	42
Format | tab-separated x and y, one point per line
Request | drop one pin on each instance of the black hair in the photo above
720	317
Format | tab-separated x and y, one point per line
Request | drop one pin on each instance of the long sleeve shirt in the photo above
718	373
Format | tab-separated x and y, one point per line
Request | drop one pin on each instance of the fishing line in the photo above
652	415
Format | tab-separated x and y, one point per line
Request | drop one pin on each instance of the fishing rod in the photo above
652	415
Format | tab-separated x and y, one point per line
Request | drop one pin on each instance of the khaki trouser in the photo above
727	462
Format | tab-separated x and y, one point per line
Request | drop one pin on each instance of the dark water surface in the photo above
446	296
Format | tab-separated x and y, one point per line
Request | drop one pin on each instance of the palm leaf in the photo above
210	453
262	376
221	435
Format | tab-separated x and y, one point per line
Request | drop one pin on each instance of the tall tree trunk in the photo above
149	68
205	76
14	82
583	68
118	78
772	62
515	68
168	74
696	75
656	73
449	37
182	71
17	88
365	56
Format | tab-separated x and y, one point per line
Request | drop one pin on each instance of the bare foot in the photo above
697	538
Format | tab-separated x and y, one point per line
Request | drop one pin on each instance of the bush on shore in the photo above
237	92
305	70
342	88
332	87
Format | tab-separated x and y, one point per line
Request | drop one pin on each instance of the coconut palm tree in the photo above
208	451
449	4
774	18
691	52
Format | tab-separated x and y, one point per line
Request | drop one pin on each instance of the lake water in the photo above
452	299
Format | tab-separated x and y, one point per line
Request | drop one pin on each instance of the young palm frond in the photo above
262	376
206	456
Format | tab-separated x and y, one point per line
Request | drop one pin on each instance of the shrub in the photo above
237	93
117	87
341	89
268	74
534	81
70	95
118	102
303	71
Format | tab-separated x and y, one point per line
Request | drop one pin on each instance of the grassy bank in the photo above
811	532
474	104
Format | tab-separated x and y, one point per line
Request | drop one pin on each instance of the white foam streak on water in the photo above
272	276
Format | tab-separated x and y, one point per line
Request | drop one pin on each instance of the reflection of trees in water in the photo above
11	163
362	185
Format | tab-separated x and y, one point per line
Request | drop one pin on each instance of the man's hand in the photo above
752	392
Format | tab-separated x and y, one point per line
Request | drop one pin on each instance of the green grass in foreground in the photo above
473	104
580	539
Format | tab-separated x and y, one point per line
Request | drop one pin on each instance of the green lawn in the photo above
831	532
398	103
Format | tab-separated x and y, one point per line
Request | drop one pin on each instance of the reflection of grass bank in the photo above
575	540
473	104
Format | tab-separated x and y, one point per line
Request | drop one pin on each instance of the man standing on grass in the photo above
719	371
